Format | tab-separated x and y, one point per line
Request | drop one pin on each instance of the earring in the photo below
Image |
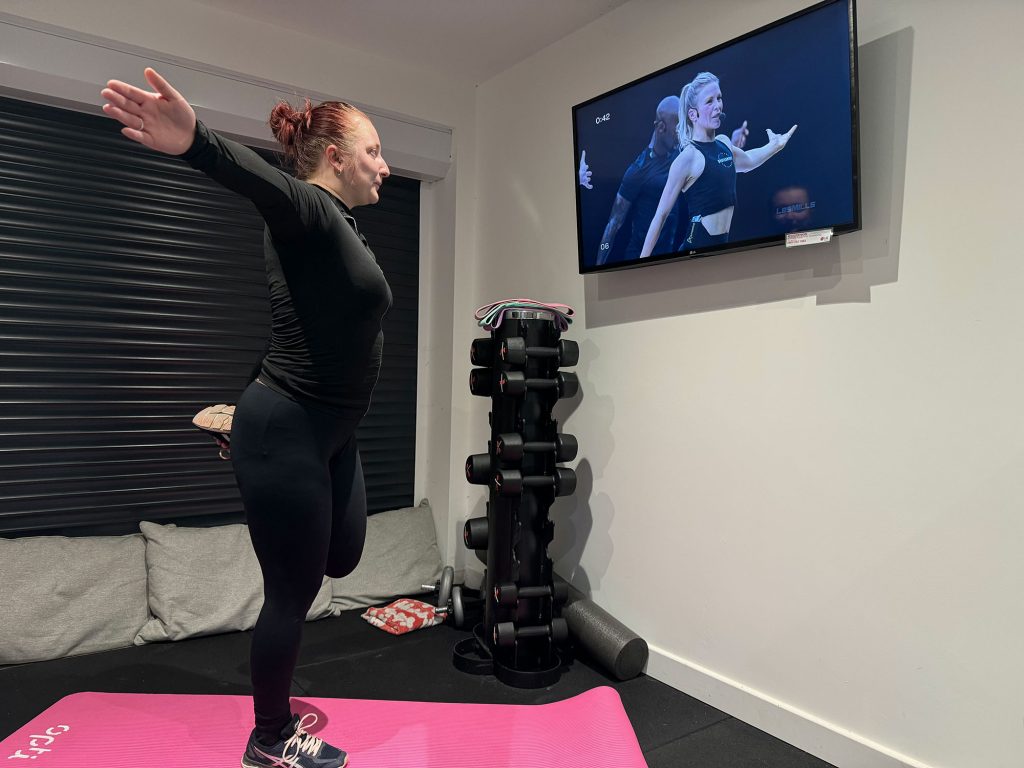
337	172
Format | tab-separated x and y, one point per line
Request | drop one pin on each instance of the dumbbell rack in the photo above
518	368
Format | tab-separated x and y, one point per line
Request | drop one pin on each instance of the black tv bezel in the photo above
755	243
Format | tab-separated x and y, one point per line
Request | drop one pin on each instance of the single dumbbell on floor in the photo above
511	447
514	351
516	383
443	586
511	482
450	600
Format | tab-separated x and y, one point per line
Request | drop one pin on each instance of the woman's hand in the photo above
159	119
779	140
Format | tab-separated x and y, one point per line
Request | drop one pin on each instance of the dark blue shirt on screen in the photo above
641	186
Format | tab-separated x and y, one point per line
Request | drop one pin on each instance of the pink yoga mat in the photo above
119	730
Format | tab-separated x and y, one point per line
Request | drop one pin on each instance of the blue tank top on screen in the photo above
715	189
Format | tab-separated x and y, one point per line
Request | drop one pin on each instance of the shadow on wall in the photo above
843	270
574	516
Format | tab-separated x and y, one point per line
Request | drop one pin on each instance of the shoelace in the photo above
489	316
302	741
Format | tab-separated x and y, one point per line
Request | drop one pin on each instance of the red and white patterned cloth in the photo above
403	616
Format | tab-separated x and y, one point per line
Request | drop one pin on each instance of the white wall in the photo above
801	476
224	41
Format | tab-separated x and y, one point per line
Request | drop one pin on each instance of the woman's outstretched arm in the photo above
164	121
748	160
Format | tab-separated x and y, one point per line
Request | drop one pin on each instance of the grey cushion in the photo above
203	581
64	596
400	556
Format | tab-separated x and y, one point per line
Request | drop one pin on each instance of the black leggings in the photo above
301	481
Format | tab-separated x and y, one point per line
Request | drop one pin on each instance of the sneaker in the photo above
296	749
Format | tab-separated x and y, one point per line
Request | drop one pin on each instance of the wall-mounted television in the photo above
751	143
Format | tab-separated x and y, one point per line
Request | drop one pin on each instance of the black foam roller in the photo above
614	646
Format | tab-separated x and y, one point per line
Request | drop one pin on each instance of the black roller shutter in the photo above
132	294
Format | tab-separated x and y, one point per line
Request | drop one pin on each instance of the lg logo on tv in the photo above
34	743
603	118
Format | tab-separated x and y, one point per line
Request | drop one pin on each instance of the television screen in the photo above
727	150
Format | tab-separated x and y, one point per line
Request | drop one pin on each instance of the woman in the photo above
706	168
293	440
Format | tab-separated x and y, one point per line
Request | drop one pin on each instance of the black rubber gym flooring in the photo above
346	657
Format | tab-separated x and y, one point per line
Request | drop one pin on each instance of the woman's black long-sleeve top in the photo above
328	297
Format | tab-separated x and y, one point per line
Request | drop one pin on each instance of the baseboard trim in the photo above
803	730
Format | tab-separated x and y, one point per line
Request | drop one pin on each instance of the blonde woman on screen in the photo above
706	168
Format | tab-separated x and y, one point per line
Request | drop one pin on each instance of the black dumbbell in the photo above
474	533
481	352
478	468
516	383
509	594
514	351
506	633
510	482
481	382
511	447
